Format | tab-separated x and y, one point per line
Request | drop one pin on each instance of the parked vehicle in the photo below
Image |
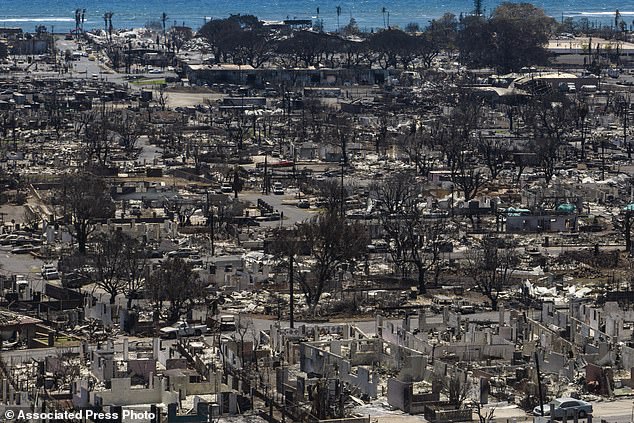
9	239
566	407
24	240
614	73
74	280
182	253
24	249
48	267
271	217
49	271
179	329
50	275
227	323
278	189
194	260
378	246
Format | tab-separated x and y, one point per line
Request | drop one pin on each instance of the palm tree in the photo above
477	7
107	19
163	19
77	20
110	25
83	19
338	14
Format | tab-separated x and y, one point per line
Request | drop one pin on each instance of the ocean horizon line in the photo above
367	13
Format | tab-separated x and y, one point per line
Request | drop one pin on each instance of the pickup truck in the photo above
179	329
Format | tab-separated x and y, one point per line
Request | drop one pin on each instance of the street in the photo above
86	68
286	204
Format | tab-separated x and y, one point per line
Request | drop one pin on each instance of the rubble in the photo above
339	241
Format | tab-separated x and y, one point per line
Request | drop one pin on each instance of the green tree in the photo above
238	38
444	31
426	48
352	28
474	41
515	36
304	48
520	35
392	46
412	27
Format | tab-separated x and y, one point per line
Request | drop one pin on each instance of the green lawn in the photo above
149	82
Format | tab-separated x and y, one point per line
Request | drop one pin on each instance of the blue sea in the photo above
368	13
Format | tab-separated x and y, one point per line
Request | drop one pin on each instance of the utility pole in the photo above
626	108
291	289
628	229
210	219
265	189
539	385
629	146
54	51
343	201
602	159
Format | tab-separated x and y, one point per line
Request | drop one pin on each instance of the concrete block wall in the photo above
121	393
315	359
627	357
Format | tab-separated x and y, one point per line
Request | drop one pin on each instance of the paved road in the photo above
286	204
612	411
148	152
19	264
84	68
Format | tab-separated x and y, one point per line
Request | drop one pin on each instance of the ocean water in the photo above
368	13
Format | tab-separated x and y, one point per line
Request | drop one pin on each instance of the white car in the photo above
567	407
278	189
179	329
49	271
